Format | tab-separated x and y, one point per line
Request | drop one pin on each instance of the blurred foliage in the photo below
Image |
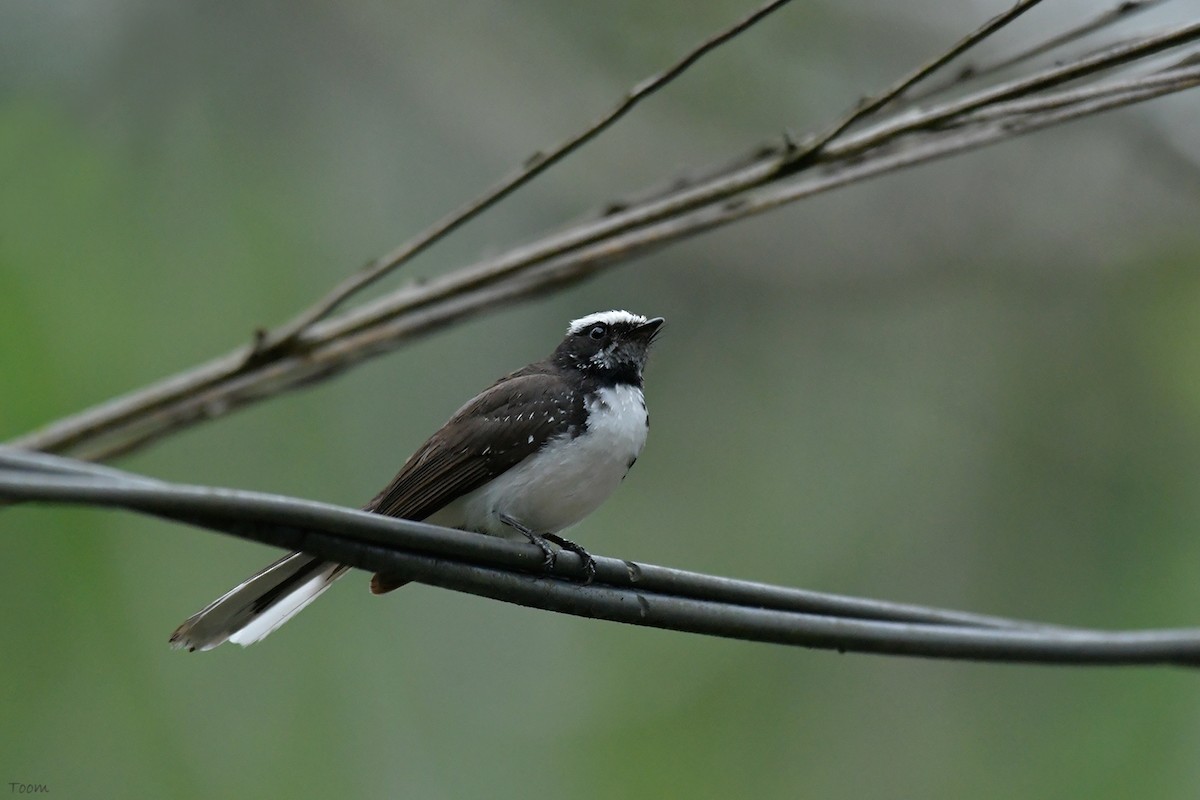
976	384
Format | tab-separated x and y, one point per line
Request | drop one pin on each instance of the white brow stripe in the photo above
607	317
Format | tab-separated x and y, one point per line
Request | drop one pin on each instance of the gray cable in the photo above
626	592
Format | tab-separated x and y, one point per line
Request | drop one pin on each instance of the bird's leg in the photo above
589	563
548	563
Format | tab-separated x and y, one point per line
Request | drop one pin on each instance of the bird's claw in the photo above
550	557
589	563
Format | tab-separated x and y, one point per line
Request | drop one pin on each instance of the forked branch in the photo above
881	135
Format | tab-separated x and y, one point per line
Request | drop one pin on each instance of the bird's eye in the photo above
598	332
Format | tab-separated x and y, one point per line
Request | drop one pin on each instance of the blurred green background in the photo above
975	384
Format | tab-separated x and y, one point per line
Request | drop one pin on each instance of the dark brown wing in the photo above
489	435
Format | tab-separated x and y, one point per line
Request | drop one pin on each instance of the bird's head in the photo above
611	345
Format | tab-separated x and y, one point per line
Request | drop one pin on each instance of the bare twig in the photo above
1141	88
1118	13
540	161
1091	64
871	105
144	406
624	591
914	136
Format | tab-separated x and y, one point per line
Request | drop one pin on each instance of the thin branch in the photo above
1091	64
1118	13
374	329
890	94
624	591
763	183
540	161
1140	88
137	408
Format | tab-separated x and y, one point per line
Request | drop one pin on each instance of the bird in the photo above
528	457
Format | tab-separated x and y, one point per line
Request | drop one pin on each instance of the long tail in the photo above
258	605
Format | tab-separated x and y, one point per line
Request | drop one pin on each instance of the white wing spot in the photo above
531	439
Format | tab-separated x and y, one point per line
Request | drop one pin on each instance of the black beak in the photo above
647	331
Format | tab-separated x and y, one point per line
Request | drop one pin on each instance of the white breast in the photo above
567	479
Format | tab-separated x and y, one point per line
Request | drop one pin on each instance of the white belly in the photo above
567	479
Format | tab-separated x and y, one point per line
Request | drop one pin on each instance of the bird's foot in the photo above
549	556
589	563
